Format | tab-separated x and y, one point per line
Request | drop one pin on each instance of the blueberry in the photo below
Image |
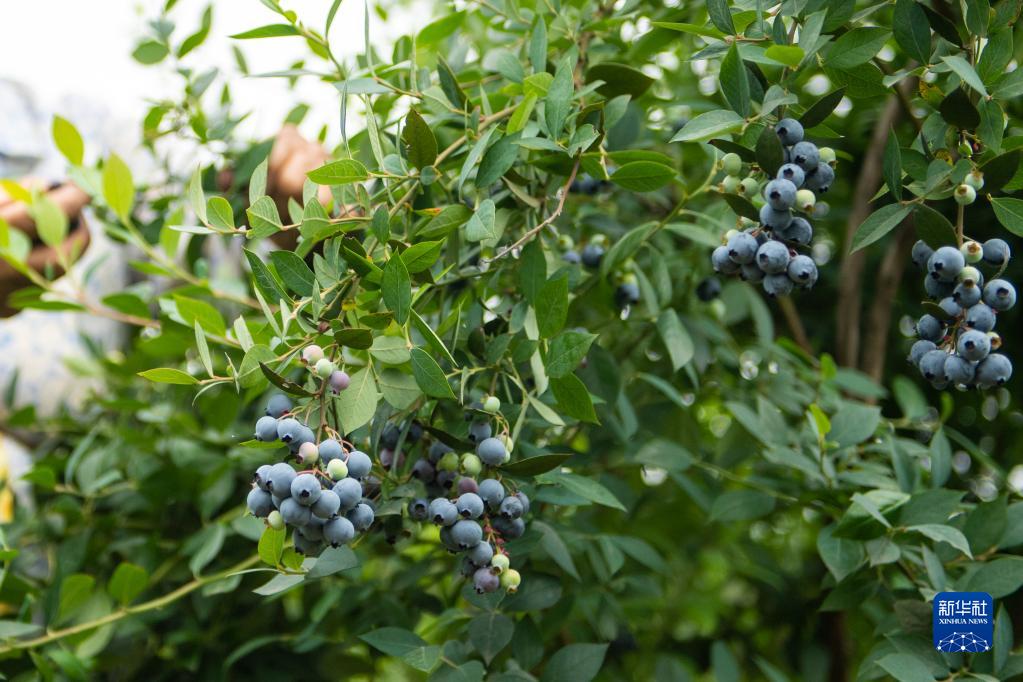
932	365
993	371
937	289
958	370
479	431
470	464
277	501
773	257
777	285
481	554
803	271
972	251
821	209
390	436
731	163
572	257
331	449
447	479
966	295
436	451
280	478
278	405
313	530
327	505
592	254
792	173
749	187
510	580
999	294
305	489
295	514
930	328
262	477
312	354
524	501
511	507
775	220
721	262
443	512
820	178
304	435
483	581
466	533
266	429
970	275
950	307
805	155
361	517
708	289
468	485
627	294
388	460
964	195
789	130
470	505
945	263
996	252
305	546
492	452
448	541
799	231
780	194
742	248
288	429
359	464
510	529
751	273
918	350
973	345
260	504
339	381
418	509
980	317
349	492
492	492
424	471
338	531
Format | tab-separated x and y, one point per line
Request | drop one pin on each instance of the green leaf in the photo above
721	16
559	99
51	221
998	577
619	79
421	256
498	160
127	583
490	633
449	84
333	560
932	227
822	108
444	222
420	140
429	375
741	505
942	533
878	224
586	488
220	213
977	14
357	403
534	466
150	52
841	556
68	140
742	207
293	271
265	281
431	338
552	307
279	583
789	55
1009	212
202	347
770	154
856	47
911	30
271	546
343	172
268	31
75	590
892	165
573	398
566	352
118	190
734	81
193	310
676	339
169	375
965	71
481	225
708	125
905	667
1000	170
958	110
643	176
396	287
393	641
440	29
576	662
263	218
692	29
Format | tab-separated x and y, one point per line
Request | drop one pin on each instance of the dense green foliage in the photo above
710	497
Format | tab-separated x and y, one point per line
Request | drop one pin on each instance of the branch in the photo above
879	321
795	324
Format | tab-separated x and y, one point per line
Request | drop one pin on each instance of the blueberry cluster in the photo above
475	517
766	253
326	502
957	338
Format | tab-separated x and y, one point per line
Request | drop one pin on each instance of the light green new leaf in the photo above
118	189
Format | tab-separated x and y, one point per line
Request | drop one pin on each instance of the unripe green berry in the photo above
731	163
826	155
337	469
972	251
312	354
565	242
965	149
805	199
729	234
471	464
965	195
995	339
510	580
492	404
449	462
969	275
730	184
749	187
275	520
974	179
509	444
309	453
599	239
324	368
499	563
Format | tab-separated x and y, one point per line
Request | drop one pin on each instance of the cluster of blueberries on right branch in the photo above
767	253
957	337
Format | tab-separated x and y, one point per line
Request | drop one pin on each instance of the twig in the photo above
879	320
788	310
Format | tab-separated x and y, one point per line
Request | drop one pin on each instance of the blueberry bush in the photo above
474	403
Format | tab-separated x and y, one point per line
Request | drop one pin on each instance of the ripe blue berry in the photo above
418	509
469	505
921	253
492	492
305	546
780	194
722	264
973	345
313	530
481	554
950	307
443	512
820	178
479	431
993	371
999	294
775	220
278	405
437	450
511	507
980	317
803	271
930	328
789	131
266	429
936	289
262	477
742	248
338	531
805	155
359	464
932	365
466	534
777	285
958	370
288	429
966	294
260	504
492	452
279	480
302	436
799	231
917	351
996	252
361	516
792	173
331	449
751	273
327	505
424	471
349	491
510	529
524	501
295	514
773	257
305	489
945	263
484	581
592	254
